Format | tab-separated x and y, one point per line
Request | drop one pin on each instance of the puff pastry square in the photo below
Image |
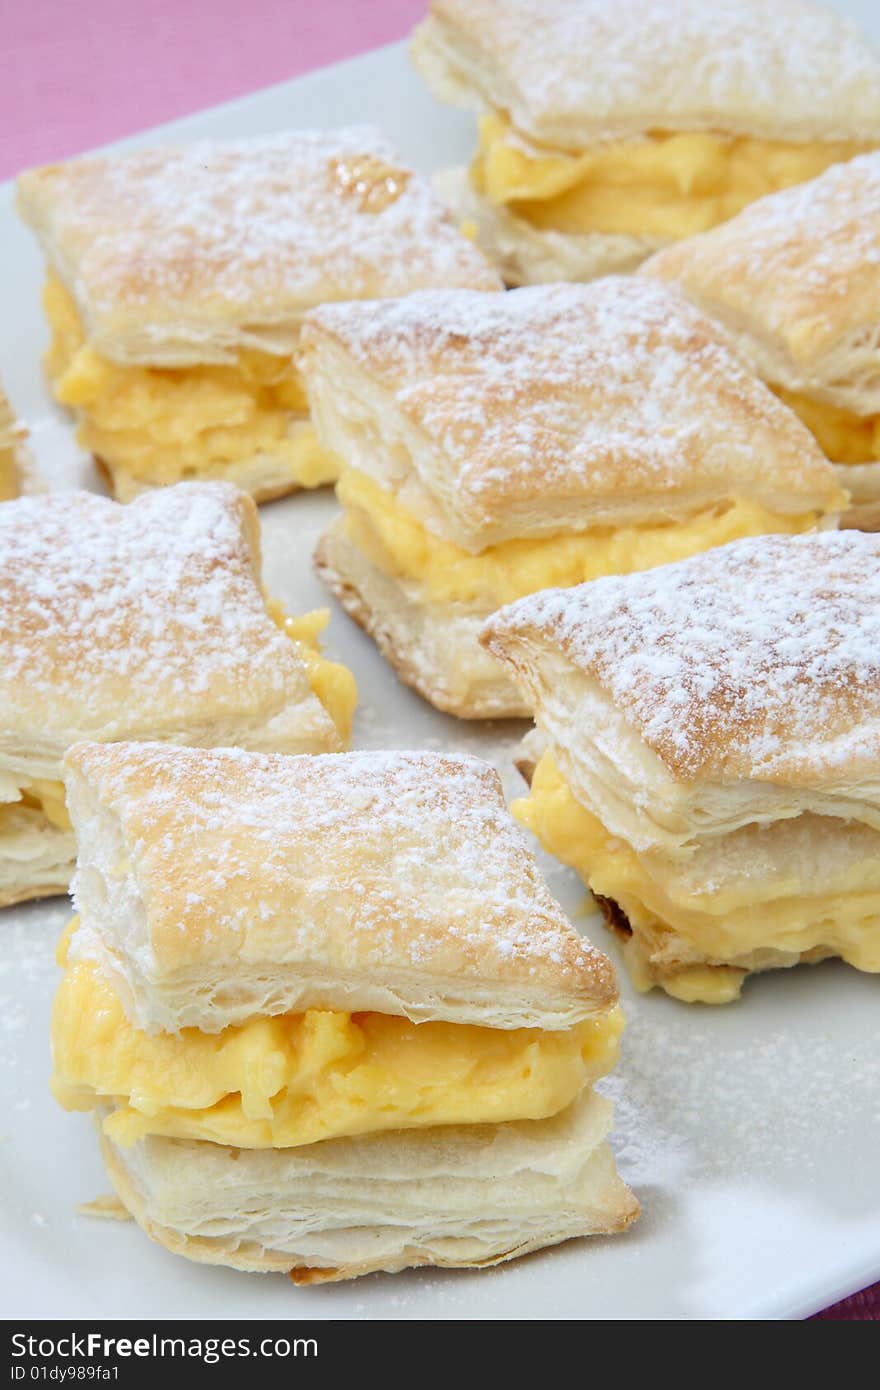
794	279
609	132
178	277
322	1005
147	621
494	445
712	762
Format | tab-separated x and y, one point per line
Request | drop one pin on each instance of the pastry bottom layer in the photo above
738	906
433	647
456	1196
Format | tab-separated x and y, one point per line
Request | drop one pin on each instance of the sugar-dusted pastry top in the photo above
565	406
796	272
760	659
141	620
182	254
358	865
573	71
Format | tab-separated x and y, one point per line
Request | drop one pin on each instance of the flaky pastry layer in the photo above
739	685
143	621
216	885
448	398
181	256
571	73
455	1196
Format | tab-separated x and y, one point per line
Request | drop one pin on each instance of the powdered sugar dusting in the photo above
621	386
248	231
141	619
759	659
583	68
408	860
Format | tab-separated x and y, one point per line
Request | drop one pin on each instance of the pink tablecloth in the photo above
75	76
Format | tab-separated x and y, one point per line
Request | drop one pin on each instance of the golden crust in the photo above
794	278
179	255
755	661
634	403
143	621
570	72
254	871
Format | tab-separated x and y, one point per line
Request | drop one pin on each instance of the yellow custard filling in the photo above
301	1078
722	924
332	682
843	436
157	425
665	185
400	546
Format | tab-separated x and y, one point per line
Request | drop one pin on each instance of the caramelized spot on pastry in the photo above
373	183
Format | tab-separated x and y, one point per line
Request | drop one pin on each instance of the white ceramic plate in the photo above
751	1134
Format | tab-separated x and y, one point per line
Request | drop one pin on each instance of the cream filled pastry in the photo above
795	280
495	445
328	1016
178	277
607	131
146	621
711	766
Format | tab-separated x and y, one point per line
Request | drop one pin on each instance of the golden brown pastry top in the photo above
561	407
186	254
570	72
396	868
796	276
759	660
146	620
